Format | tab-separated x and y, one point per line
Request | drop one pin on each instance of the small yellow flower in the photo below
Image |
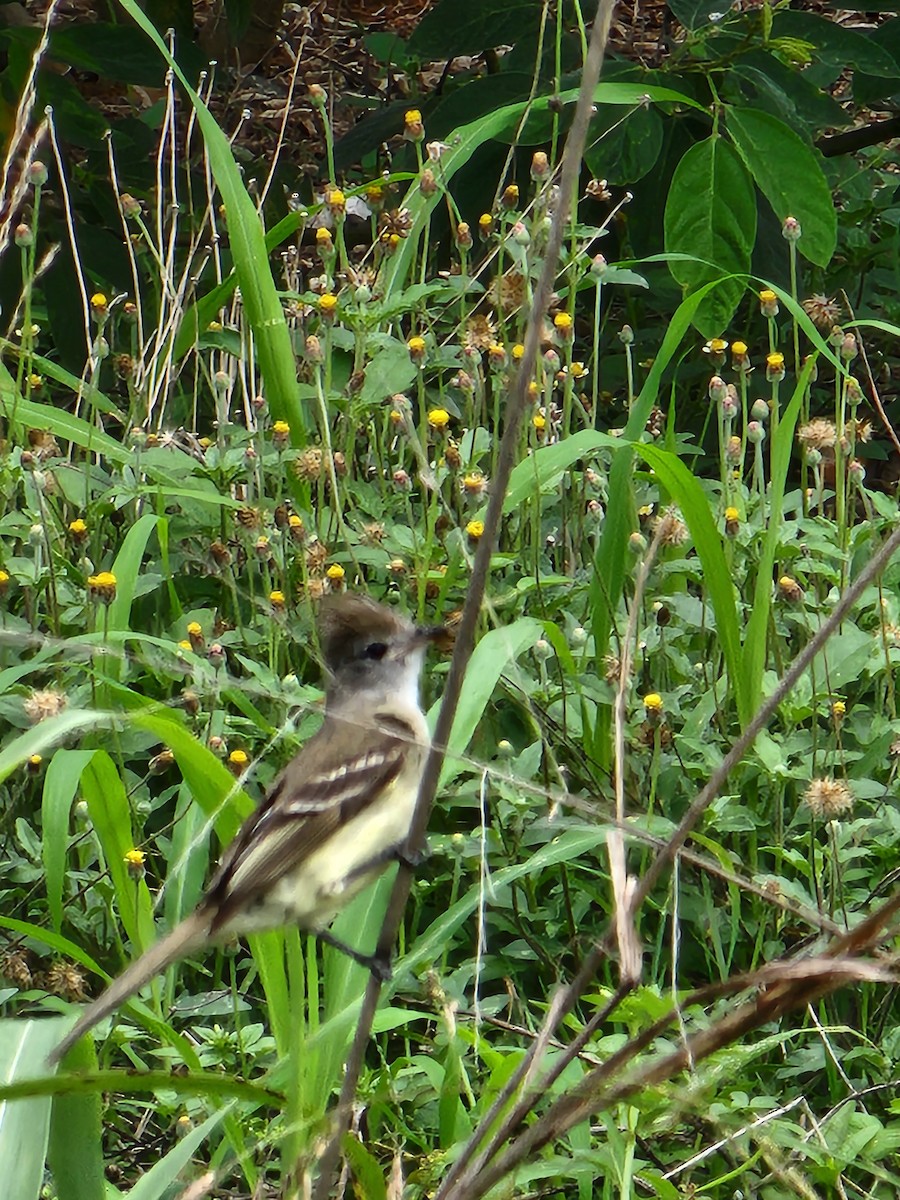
336	573
238	761
99	303
324	239
103	586
732	521
4	581
775	360
413	129
34	763
563	324
35	382
276	599
416	348
653	702
485	224
336	201
768	303
838	710
716	346
439	419
738	349
510	197
328	304
475	530
518	352
195	629
281	432
539	421
78	530
134	860
214	327
184	644
790	589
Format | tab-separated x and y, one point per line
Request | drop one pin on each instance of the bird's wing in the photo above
332	780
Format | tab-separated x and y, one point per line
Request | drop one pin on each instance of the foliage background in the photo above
196	447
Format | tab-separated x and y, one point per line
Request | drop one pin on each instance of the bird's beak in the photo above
424	635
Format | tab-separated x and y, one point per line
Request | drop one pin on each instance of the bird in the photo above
334	818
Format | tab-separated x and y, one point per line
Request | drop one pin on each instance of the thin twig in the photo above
566	999
465	636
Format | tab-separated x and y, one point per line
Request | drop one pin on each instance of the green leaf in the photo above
493	654
24	1123
390	371
47	734
27	413
210	781
368	1177
755	636
790	176
60	784
690	497
541	471
694	14
624	143
75	1150
115	52
837	45
111	817
454	27
711	215
126	569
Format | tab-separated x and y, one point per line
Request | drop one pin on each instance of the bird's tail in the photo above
184	939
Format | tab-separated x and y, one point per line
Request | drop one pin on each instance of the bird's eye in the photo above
375	650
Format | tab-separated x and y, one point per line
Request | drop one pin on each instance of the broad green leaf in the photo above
368	1176
126	569
490	658
694	14
680	483
837	45
756	633
60	785
711	214
466	140
111	817
390	371
47	734
212	784
30	414
541	471
788	173
609	562
75	1150
454	27
24	1122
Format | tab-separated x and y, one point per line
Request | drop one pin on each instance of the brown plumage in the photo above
335	815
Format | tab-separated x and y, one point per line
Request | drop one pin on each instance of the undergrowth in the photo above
235	447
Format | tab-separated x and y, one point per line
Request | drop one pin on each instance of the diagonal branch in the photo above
465	637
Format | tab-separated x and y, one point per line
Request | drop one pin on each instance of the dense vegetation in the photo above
669	786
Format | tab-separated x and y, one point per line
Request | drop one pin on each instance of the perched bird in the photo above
338	813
